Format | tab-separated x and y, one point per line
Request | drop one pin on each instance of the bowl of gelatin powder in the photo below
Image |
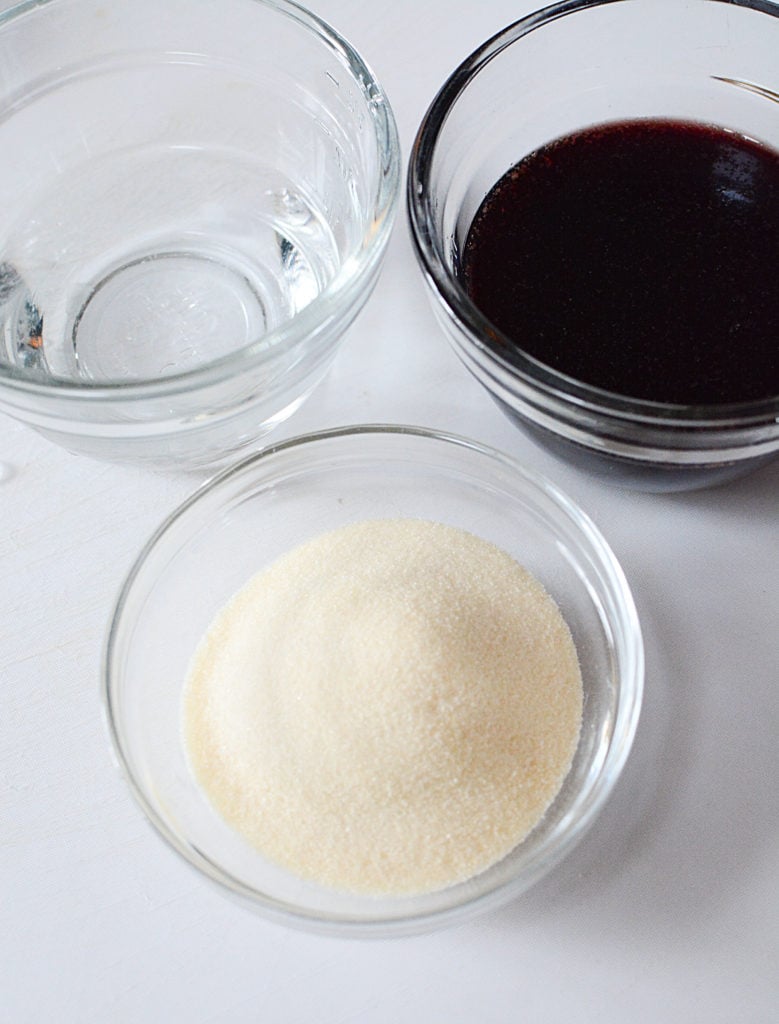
374	679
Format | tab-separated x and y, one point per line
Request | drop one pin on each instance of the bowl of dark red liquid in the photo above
594	200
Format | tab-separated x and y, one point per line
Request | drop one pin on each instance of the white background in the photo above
668	910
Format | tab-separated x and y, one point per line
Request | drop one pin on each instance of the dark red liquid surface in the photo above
641	257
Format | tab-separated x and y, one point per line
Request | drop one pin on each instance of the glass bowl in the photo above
206	209
290	492
564	68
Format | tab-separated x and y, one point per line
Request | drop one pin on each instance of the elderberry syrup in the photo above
639	257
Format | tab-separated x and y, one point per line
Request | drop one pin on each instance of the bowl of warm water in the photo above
196	201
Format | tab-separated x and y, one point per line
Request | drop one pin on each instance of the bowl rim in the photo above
630	682
342	292
449	293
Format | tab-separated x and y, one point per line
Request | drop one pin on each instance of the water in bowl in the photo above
173	210
213	256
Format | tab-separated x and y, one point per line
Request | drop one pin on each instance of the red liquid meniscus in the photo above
641	257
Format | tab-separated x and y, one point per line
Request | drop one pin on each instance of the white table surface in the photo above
668	911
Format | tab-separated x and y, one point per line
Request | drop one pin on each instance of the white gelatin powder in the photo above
389	708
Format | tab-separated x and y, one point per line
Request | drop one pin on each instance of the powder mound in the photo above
389	708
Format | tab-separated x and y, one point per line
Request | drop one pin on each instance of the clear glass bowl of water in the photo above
196	201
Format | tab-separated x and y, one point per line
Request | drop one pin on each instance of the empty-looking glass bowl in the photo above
196	200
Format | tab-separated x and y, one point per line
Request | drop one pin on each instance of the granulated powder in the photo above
389	708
